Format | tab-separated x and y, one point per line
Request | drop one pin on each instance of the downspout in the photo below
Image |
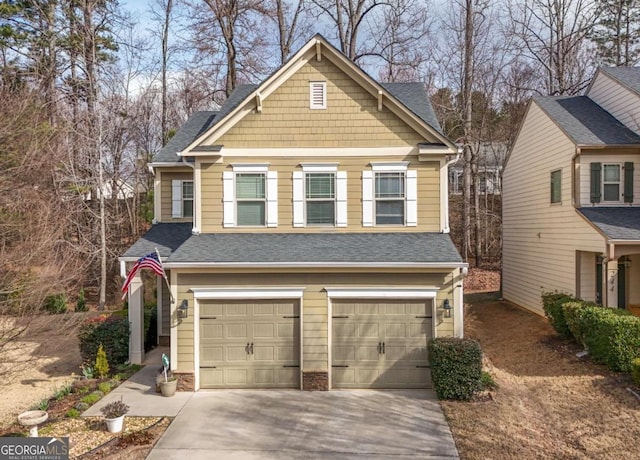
445	227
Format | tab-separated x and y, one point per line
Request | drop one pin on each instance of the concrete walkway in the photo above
139	392
289	424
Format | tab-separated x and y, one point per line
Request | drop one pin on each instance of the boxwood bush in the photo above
552	305
635	371
456	367
111	332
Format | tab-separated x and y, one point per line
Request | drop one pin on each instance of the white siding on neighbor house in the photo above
540	239
587	266
616	99
583	162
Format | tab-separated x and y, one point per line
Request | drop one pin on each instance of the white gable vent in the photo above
318	95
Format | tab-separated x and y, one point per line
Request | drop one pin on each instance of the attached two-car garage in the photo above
255	343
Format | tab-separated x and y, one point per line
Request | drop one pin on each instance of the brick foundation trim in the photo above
315	381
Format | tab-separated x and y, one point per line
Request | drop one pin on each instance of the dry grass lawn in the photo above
549	403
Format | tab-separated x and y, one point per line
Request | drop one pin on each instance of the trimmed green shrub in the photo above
572	311
91	399
552	306
635	371
112	333
611	335
102	364
105	387
81	302
55	304
456	367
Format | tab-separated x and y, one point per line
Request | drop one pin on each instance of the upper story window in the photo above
390	198
319	195
556	186
611	182
251	199
320	198
317	95
389	195
181	199
250	196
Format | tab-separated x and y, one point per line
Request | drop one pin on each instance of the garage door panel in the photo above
286	331
263	331
212	330
287	354
368	309
235	310
210	309
237	331
342	309
368	353
395	330
344	353
421	329
394	309
211	354
368	330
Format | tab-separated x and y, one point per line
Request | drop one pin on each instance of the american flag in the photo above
150	261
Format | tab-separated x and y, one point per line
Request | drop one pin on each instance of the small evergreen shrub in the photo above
635	371
105	387
73	413
102	364
112	333
91	399
552	306
456	367
55	304
487	381
81	302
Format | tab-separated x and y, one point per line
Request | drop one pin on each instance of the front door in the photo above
622	282
599	280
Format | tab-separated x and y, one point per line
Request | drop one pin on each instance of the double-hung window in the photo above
556	186
320	198
250	196
181	199
390	198
389	195
611	182
250	199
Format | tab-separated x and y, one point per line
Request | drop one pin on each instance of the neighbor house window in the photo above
320	198
556	186
250	199
389	198
611	182
181	199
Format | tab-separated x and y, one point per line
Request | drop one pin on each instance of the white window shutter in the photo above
341	199
272	198
176	198
298	199
367	198
412	198
228	200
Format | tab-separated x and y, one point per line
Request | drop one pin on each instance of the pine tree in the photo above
617	34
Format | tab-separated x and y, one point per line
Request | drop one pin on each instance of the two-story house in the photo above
571	214
304	229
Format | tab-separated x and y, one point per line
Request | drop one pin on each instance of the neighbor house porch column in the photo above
136	320
611	277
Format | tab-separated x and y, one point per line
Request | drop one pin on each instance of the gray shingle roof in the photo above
621	223
414	96
197	124
167	237
301	248
628	76
585	122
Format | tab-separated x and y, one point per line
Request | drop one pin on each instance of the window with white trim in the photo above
611	182
317	95
250	196
181	198
389	195
319	195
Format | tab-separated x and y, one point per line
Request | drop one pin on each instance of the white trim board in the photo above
248	293
382	293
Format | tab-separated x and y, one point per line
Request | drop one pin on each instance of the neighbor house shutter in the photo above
176	198
412	198
272	198
596	179
367	198
298	199
341	199
228	200
628	182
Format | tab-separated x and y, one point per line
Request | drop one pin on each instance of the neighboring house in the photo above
305	227
571	196
124	190
491	156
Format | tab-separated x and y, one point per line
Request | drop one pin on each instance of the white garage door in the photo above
250	344
381	343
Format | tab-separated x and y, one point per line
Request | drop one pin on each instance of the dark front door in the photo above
599	280
622	282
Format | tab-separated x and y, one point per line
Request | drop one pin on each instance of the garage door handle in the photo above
251	348
384	351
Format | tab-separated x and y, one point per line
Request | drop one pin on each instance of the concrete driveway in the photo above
288	424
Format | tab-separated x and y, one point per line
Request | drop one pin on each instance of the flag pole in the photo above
164	275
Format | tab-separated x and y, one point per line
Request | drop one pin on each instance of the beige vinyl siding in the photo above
540	239
165	193
616	99
613	156
314	303
587	267
351	118
428	198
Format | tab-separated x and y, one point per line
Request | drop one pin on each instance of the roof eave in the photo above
448	265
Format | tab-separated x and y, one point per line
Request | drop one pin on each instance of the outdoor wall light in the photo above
447	308
183	309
